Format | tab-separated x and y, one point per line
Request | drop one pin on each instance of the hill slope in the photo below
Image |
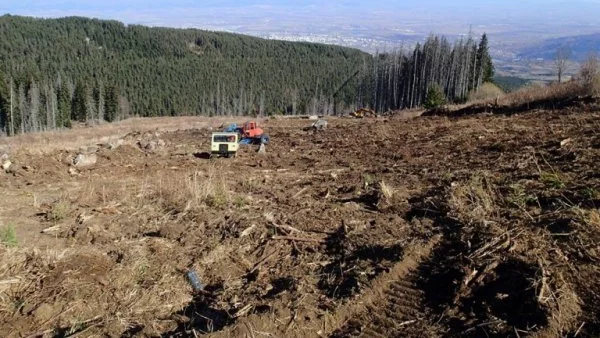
579	47
165	71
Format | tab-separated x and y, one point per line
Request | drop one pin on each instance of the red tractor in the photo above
251	133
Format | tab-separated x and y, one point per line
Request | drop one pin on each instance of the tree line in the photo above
54	71
400	80
158	72
30	105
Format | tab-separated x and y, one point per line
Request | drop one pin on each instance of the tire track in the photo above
394	305
390	307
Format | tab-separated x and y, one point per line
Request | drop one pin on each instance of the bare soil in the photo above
430	226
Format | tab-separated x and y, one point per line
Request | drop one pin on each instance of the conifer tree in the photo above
111	103
64	107
79	107
484	60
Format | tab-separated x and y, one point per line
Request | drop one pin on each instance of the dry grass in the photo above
474	201
536	92
488	91
196	189
594	87
59	211
408	113
73	139
131	279
592	218
143	287
555	293
386	190
589	75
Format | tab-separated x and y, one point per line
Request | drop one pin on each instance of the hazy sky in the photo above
434	14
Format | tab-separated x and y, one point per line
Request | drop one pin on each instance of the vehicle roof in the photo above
224	133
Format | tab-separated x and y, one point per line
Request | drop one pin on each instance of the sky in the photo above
580	16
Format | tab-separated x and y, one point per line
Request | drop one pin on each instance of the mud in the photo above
470	226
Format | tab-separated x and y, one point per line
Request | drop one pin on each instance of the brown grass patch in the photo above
536	93
195	189
140	287
487	92
473	201
73	139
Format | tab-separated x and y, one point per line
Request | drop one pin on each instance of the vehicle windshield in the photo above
224	138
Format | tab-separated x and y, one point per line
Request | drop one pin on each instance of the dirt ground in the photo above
484	225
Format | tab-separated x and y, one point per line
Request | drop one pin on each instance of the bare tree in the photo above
561	61
48	107
261	107
90	106
294	95
34	106
12	116
22	107
590	70
124	108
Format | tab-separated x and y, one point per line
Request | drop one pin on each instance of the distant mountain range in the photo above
579	48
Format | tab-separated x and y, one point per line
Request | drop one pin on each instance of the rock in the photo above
73	171
320	125
85	160
248	230
566	142
3	157
262	149
116	144
151	145
6	164
313	117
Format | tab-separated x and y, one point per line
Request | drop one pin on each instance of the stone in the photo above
6	164
85	160
262	149
320	125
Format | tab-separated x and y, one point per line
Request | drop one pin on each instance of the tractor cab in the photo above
251	130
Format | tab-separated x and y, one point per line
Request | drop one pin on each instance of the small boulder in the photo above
152	145
116	144
262	149
85	160
6	165
320	125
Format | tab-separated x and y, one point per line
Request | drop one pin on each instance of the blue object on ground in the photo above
194	281
232	128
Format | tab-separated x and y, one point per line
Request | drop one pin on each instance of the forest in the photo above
55	71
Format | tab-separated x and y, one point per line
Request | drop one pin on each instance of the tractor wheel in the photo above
264	139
